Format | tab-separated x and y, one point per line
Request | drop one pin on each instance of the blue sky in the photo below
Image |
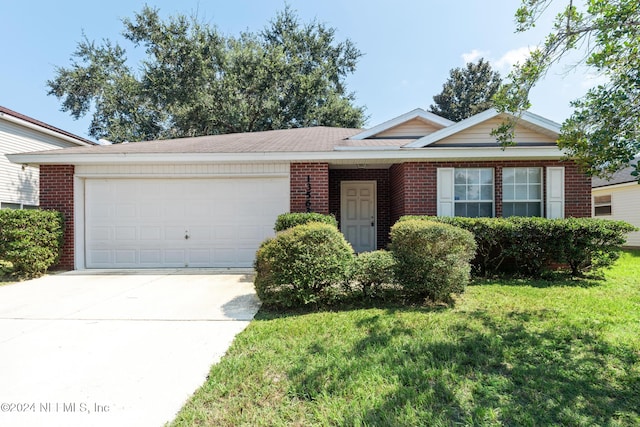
409	46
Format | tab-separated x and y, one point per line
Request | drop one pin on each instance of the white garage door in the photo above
138	223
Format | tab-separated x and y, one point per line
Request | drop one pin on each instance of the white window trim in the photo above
446	191
540	200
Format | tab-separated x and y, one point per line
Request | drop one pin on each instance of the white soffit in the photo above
417	113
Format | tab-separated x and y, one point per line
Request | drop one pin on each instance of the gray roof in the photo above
311	139
621	177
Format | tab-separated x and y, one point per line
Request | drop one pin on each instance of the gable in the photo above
480	134
413	129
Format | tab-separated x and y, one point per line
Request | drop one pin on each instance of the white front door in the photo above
358	214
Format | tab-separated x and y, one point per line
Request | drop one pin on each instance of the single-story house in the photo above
19	184
618	198
209	201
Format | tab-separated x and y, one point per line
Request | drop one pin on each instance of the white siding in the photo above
625	206
18	185
481	133
415	127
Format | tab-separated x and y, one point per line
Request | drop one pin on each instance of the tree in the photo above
195	81
467	91
603	132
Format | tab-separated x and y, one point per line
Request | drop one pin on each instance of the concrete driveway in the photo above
105	348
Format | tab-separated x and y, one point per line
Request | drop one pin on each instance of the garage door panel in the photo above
143	222
99	258
125	234
150	257
126	257
153	233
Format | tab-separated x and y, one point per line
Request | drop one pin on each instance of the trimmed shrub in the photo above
30	240
530	246
534	244
432	258
298	266
290	220
373	269
592	244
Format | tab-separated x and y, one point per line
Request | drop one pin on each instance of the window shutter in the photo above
555	192
445	191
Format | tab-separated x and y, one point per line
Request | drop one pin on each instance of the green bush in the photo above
290	220
432	259
530	246
373	269
299	266
30	240
592	244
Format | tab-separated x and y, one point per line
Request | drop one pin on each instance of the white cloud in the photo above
502	64
511	58
474	55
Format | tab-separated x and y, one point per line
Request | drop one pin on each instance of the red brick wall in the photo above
383	205
414	188
577	193
56	192
318	174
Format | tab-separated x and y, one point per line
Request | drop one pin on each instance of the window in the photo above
521	192
4	205
473	192
602	205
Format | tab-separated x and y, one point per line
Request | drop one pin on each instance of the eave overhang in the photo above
343	155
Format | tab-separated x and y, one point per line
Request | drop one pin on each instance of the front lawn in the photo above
509	353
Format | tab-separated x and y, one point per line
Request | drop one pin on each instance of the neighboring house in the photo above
618	198
209	201
18	133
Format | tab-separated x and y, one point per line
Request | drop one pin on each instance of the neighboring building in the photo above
619	198
209	201
19	184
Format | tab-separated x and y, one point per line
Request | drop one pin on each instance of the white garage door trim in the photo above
259	199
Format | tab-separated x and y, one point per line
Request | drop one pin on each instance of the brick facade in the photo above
56	192
404	189
383	204
309	187
411	188
416	185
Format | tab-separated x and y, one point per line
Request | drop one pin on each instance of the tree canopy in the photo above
196	81
603	132
467	91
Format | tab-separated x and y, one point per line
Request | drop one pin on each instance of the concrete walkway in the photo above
106	348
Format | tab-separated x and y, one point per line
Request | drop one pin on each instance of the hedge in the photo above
531	246
30	240
291	219
372	270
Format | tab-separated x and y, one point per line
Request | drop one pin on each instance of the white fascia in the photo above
413	114
531	118
606	188
398	155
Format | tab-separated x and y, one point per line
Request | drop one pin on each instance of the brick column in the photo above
56	192
311	178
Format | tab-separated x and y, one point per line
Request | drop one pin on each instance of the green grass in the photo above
517	353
